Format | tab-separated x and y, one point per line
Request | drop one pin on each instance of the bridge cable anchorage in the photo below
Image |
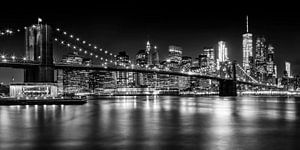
84	42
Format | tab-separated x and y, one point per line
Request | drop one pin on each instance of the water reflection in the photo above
154	123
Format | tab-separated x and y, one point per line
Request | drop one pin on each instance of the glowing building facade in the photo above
260	58
124	79
210	56
149	54
288	69
73	81
222	53
175	57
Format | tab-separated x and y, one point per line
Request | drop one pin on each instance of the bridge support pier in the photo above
39	74
227	88
39	48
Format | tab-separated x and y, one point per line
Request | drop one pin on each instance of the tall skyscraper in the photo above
222	53
203	60
175	57
141	61
260	58
261	49
141	58
247	48
210	53
124	79
288	68
155	56
149	53
271	72
270	60
175	53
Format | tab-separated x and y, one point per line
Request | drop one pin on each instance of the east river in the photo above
163	122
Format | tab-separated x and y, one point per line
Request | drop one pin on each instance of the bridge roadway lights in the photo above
227	88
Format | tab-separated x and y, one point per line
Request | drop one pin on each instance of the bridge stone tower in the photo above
39	48
227	87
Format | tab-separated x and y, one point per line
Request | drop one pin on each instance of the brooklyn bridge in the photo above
40	67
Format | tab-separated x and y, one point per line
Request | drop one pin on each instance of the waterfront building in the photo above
101	80
141	61
124	79
73	81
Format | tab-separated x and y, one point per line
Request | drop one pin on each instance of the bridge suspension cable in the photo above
84	42
8	32
253	80
85	51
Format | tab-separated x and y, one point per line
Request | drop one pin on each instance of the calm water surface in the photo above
155	123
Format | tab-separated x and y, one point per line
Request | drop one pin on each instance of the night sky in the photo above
127	26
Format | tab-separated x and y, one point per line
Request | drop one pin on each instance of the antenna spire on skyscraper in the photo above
247	25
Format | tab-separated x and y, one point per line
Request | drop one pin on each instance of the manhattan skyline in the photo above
129	30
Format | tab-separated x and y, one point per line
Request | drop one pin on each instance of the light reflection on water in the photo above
154	123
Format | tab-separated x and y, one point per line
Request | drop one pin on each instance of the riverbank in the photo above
10	101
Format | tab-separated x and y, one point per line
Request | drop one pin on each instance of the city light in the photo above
175	71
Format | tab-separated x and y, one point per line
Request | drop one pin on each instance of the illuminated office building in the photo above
222	53
270	60
288	69
210	58
141	60
270	64
73	81
210	52
260	59
247	49
155	56
203	60
100	80
175	54
123	78
149	53
186	63
174	58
